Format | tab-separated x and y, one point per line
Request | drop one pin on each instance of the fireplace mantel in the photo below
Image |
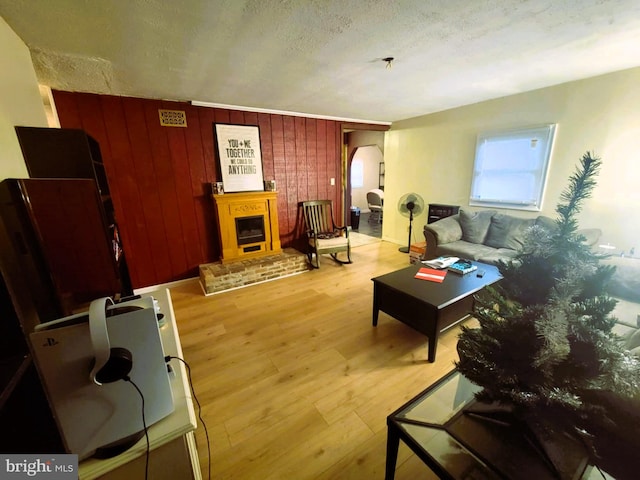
231	207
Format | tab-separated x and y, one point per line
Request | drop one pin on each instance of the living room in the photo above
429	154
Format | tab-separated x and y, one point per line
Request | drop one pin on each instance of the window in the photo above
357	173
510	168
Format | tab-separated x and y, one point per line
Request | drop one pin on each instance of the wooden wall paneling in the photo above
250	118
300	154
199	181
236	117
280	175
120	166
150	206
90	111
93	123
184	191
321	158
165	184
312	158
266	146
223	116
291	182
67	107
206	118
302	167
333	168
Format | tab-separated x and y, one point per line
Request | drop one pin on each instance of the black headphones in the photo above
111	363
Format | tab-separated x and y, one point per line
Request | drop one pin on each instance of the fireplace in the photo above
247	225
250	229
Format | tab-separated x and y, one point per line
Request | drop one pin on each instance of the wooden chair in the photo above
323	235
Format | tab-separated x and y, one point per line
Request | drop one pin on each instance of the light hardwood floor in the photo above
294	381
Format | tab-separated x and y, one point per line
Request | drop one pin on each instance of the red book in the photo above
431	274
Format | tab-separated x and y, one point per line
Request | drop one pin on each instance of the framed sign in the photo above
240	157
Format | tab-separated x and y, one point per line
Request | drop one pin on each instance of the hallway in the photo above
373	229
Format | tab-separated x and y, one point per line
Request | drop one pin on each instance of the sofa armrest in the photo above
590	235
443	231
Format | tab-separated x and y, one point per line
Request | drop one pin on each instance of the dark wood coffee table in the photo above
429	307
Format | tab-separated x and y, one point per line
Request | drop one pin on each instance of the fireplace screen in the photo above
250	230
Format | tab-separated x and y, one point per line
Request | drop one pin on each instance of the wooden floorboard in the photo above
294	381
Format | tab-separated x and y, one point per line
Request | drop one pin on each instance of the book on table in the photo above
431	274
462	267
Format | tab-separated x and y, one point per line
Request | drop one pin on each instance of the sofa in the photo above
486	235
489	236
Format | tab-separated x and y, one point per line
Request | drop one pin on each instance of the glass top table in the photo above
441	428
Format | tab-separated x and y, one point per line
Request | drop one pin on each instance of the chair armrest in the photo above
438	233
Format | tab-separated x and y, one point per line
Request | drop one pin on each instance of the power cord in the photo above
204	425
144	424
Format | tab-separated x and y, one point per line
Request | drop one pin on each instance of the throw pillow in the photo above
547	223
475	225
506	231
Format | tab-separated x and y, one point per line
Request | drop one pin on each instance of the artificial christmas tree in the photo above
545	347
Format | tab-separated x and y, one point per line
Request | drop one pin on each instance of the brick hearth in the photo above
217	277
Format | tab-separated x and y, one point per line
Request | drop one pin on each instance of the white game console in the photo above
91	411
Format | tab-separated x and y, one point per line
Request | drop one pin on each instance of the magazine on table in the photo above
440	262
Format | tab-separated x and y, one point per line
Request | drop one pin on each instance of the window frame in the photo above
485	179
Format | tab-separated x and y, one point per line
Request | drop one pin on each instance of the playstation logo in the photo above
50	342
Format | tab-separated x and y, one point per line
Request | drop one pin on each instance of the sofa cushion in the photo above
475	225
507	231
492	257
468	250
547	223
445	230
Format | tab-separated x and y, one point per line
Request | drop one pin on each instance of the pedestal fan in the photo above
410	204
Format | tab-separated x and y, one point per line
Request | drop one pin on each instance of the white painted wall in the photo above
371	156
20	102
433	154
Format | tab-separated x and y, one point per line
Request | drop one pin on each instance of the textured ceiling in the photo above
324	57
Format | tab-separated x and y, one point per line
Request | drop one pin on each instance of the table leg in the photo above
376	310
433	343
393	442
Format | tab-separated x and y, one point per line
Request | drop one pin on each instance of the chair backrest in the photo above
318	215
375	197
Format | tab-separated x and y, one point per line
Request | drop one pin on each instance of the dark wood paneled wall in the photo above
160	176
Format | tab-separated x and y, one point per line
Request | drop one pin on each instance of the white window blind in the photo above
510	168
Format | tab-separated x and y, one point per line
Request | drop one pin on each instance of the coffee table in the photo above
429	307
